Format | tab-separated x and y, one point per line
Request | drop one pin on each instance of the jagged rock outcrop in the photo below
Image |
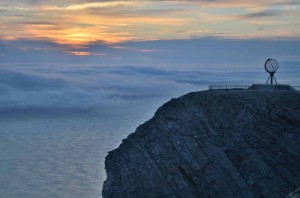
212	144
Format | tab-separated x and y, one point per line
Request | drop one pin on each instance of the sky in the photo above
81	50
79	22
72	27
93	59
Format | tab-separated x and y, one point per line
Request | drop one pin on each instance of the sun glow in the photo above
84	53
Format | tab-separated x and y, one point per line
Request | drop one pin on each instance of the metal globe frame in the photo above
271	66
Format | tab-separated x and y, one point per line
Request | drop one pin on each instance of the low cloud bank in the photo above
90	87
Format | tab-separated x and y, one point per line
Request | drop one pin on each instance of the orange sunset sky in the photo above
82	22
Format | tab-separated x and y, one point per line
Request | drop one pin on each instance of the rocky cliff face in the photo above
212	144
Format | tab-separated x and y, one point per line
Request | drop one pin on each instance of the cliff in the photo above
217	143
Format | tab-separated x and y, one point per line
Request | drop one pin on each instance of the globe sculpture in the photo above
271	66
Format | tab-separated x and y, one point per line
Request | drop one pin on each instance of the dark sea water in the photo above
57	123
63	155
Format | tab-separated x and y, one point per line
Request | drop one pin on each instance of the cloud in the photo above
80	22
261	14
20	90
204	51
66	88
50	88
90	5
42	76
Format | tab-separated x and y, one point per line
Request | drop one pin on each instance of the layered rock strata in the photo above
236	143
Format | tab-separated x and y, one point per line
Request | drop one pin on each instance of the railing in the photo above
226	87
238	87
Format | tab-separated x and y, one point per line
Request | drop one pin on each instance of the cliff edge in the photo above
236	143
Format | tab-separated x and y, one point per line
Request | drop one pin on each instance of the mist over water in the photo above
57	123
